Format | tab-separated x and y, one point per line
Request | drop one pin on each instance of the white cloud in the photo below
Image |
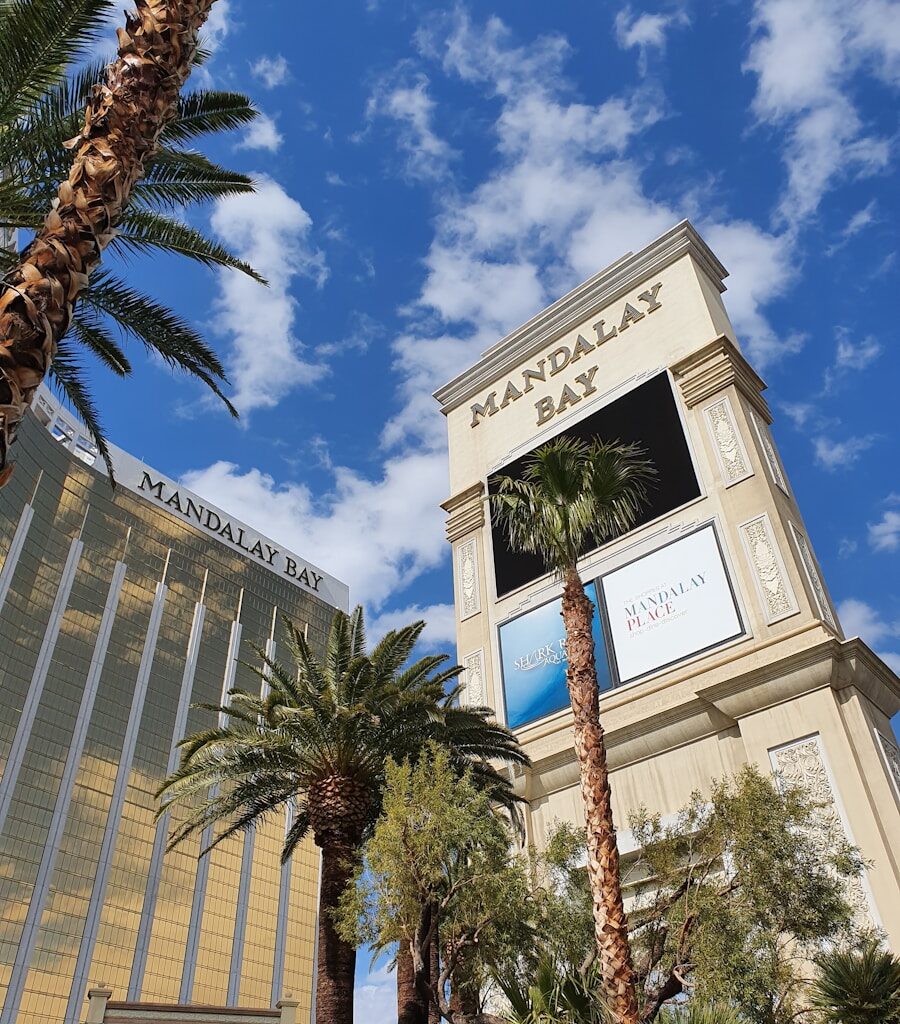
271	71
375	1000
860	619
646	31
847	547
799	413
833	455
440	631
805	54
377	535
563	200
404	98
269	230
262	133
849	356
885	534
217	26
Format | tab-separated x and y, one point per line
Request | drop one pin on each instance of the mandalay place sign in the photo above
555	361
213	521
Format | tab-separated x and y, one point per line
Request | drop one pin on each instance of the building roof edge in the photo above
609	284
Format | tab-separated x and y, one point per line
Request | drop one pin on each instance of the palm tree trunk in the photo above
412	1006
610	924
336	958
123	123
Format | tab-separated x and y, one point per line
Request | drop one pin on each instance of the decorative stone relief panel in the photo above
476	691
803	764
469	583
734	463
768	569
891	754
812	574
769	453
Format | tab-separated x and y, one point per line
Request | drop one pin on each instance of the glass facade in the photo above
117	615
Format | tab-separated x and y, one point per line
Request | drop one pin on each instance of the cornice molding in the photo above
716	366
605	287
465	512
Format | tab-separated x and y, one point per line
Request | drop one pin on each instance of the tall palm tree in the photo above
858	986
119	134
573	493
320	739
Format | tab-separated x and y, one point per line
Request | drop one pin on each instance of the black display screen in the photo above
646	416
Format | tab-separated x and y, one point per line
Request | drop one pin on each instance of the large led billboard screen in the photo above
669	605
647	416
533	662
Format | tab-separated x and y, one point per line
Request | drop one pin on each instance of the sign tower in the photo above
717	642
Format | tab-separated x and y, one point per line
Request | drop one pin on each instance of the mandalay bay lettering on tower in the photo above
559	358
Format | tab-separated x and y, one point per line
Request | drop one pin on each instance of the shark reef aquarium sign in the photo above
554	362
213	522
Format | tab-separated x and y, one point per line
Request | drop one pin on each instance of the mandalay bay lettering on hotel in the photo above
209	519
556	361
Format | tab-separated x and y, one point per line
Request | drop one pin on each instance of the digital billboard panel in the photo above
533	662
669	605
646	416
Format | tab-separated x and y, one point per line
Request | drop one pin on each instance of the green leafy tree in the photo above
440	864
321	738
858	986
734	898
44	92
571	496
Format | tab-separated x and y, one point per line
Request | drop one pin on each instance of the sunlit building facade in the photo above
717	642
120	610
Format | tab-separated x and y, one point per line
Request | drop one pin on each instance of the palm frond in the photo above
178	178
145	231
39	39
66	377
205	112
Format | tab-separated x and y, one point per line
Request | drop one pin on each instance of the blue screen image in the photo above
533	661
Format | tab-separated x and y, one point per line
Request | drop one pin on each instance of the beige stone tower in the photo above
717	641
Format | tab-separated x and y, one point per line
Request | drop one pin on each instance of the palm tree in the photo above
115	143
571	494
320	739
858	986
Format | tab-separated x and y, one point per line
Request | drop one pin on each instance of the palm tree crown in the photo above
318	737
858	986
570	493
335	719
43	94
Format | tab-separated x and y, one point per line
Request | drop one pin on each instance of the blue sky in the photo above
431	176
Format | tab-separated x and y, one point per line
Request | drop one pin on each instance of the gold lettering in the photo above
601	335
630	316
529	375
649	296
510	395
582	347
488	409
567	398
545	410
565	353
585	379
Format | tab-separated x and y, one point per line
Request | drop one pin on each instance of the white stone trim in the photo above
770	455
468	579
475	682
768	569
15	549
891	755
804	763
731	453
813	577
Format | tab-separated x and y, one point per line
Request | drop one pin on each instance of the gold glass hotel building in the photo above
119	610
717	641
